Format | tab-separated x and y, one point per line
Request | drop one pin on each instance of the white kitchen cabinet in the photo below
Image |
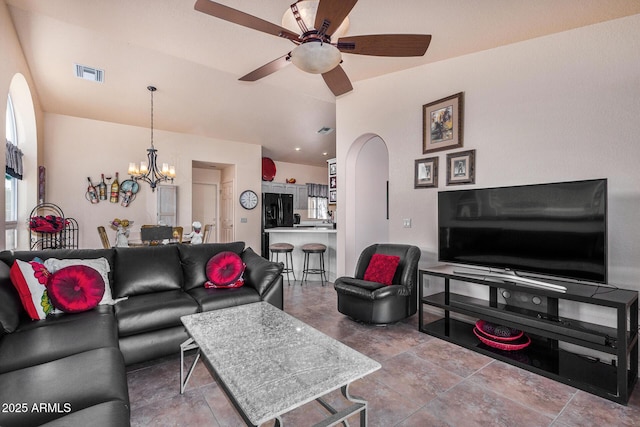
300	197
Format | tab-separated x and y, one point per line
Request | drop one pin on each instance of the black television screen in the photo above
557	229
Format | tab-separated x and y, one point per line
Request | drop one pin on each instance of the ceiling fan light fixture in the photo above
316	57
307	10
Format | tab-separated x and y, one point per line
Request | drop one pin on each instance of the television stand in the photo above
570	351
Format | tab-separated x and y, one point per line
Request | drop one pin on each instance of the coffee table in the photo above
269	362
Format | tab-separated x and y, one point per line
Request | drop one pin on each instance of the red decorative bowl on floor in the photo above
518	344
487	328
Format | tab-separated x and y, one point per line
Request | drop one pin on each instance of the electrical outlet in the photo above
406	222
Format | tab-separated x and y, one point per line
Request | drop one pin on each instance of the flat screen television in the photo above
556	229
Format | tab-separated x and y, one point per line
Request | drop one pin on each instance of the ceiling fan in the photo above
315	52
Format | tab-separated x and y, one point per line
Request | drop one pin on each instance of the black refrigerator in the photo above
277	211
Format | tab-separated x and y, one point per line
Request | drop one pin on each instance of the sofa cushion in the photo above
194	259
76	288
152	345
82	380
100	264
149	312
357	287
107	414
30	279
146	270
214	299
10	304
56	337
260	273
224	270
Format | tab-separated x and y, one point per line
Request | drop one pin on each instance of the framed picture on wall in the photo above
333	168
461	168
333	196
442	124
426	173
333	182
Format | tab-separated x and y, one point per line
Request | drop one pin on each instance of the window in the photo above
318	208
317	201
11	183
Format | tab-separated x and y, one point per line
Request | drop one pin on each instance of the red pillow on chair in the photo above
225	270
382	268
76	288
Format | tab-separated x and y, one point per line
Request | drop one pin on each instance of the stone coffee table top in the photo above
270	362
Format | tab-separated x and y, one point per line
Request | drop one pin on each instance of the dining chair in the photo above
104	238
207	233
178	233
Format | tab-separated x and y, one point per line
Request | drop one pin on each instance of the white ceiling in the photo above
195	60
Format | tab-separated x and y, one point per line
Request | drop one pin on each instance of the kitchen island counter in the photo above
302	229
298	236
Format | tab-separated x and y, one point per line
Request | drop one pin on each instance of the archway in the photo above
28	143
366	176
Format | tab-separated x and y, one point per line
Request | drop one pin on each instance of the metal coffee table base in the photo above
337	417
189	344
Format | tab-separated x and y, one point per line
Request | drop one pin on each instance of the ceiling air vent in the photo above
89	73
325	130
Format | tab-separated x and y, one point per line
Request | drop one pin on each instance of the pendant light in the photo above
148	170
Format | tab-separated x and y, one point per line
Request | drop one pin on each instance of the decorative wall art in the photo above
114	192
461	168
426	173
442	124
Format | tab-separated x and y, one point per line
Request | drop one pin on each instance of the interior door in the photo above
226	212
167	208
205	207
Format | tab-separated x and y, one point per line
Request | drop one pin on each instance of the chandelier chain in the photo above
151	89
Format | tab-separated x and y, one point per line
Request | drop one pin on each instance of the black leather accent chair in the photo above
373	302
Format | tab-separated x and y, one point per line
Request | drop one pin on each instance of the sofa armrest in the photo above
260	274
11	310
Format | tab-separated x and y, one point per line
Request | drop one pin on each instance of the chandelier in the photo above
148	170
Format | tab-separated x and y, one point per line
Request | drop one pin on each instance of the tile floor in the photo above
424	381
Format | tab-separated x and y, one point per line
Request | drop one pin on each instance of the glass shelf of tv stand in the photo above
585	334
544	356
541	357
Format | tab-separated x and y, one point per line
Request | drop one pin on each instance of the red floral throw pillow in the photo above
30	279
225	270
76	288
382	268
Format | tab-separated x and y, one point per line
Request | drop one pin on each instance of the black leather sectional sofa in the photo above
70	369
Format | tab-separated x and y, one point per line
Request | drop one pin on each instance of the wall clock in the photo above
248	199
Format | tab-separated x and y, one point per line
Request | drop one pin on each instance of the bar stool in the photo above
287	250
314	248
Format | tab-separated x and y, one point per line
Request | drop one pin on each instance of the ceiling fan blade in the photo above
266	69
333	11
337	81
232	15
386	44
